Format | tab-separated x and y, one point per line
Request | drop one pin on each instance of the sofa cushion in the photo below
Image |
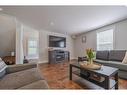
101	61
19	67
41	84
3	67
115	64
19	79
103	55
117	55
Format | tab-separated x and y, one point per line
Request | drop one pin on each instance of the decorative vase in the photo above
90	55
90	61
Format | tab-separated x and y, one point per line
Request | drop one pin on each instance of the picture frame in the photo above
83	39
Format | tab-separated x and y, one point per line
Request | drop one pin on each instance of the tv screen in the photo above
55	41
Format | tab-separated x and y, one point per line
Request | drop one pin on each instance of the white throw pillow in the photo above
3	66
125	59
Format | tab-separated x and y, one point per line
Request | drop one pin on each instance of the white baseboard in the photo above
42	62
73	58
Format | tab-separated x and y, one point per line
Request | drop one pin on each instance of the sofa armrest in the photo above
19	67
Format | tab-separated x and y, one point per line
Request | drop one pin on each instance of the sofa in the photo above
112	58
22	76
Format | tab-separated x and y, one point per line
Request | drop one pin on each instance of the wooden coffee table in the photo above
109	74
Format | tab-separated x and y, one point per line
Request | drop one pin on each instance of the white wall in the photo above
120	38
19	43
28	33
121	35
7	35
23	33
43	50
80	47
43	42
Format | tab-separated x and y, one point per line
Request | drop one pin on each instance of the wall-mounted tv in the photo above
56	41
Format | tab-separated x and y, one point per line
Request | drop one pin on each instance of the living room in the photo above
45	42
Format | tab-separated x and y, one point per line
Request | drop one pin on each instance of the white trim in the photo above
42	62
73	58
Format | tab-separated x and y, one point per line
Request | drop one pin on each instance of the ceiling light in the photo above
1	9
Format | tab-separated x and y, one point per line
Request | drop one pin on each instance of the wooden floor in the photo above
57	76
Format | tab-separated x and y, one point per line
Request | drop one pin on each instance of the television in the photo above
56	41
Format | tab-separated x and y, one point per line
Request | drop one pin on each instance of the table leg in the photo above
116	79
107	83
70	72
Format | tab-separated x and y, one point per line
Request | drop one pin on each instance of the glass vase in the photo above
90	61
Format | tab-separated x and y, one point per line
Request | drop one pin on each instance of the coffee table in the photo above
109	74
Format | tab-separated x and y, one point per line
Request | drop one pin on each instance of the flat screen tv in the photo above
56	41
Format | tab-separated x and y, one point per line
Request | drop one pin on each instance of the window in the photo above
33	48
105	40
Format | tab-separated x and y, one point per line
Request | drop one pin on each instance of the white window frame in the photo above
32	56
103	31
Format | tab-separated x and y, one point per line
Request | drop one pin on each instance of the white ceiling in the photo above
67	19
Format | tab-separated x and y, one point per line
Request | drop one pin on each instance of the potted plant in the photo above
90	55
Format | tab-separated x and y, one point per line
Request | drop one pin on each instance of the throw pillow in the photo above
125	59
3	67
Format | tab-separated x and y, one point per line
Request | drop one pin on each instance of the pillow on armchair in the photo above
3	67
125	59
